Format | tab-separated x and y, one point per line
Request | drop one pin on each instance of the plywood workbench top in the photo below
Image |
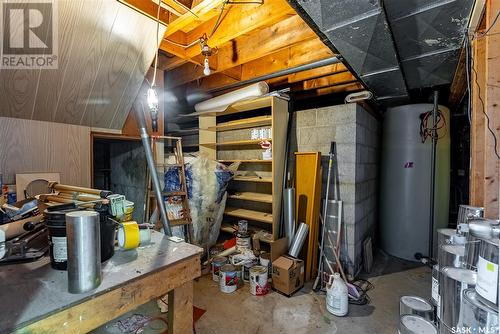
30	292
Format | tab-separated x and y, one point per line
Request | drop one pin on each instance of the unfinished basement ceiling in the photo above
393	46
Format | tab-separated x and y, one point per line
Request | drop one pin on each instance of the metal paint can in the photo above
487	272
472	251
228	278
452	283
242	226
258	281
265	261
416	306
243	241
435	298
413	324
217	263
451	256
476	315
444	235
245	268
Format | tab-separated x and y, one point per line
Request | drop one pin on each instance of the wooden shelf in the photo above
263	217
253	179
237	142
243	124
183	132
257	161
253	197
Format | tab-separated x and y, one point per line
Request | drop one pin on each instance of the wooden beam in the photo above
328	81
202	12
148	8
352	87
248	48
240	20
317	72
485	168
173	7
286	58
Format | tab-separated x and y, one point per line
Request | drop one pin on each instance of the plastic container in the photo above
337	299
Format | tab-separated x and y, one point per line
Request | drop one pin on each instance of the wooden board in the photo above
237	142
308	197
252	196
257	161
242	123
253	179
262	217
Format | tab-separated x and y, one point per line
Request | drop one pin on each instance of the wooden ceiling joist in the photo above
150	9
328	81
245	49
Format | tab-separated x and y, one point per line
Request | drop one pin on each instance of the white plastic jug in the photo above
337	299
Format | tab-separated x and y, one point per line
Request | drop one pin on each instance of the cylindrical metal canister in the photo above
413	324
84	251
298	240
487	272
289	213
258	281
435	299
453	281
416	306
444	235
466	213
475	316
472	251
217	263
451	256
228	278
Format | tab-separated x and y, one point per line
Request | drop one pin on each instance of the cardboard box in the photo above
288	274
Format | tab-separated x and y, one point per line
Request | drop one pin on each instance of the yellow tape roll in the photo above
128	235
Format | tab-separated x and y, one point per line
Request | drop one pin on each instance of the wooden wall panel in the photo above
34	146
105	49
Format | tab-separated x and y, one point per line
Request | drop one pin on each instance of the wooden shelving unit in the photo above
255	192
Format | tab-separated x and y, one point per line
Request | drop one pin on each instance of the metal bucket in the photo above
217	263
484	228
413	324
452	283
475	316
444	235
487	272
258	281
435	299
451	256
228	281
472	251
416	306
466	213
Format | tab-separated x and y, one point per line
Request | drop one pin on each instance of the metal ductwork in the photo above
393	46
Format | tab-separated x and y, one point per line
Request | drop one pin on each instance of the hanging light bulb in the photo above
152	99
206	67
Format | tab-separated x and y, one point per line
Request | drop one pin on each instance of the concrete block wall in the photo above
357	135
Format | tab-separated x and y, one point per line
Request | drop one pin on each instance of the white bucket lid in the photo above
417	325
416	303
460	274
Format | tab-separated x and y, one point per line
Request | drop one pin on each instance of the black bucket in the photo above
56	224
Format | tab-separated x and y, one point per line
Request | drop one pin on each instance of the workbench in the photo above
34	297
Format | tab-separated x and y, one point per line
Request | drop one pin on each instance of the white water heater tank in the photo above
406	181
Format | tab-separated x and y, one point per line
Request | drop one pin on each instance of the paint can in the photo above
245	268
413	324
243	241
466	213
487	272
228	278
452	283
217	263
472	251
451	256
265	261
444	235
435	298
242	226
258	281
416	306
476	316
484	228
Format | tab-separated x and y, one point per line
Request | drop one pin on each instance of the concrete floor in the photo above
305	311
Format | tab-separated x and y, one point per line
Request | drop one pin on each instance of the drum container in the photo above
476	316
413	324
453	281
416	306
451	256
487	272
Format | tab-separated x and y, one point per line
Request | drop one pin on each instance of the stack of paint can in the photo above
416	315
466	278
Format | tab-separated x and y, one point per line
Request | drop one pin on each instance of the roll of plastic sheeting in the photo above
220	103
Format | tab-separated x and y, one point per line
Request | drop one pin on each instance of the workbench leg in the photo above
180	309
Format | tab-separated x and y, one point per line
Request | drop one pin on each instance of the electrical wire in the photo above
485	33
427	131
219	19
156	41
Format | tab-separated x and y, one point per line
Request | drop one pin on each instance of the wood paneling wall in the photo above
34	146
485	169
105	49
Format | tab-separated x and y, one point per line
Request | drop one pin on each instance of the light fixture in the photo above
207	51
152	94
206	67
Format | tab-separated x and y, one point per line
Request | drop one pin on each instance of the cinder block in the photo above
346	152
328	115
306	118
308	136
345	133
348	192
348	213
347	171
